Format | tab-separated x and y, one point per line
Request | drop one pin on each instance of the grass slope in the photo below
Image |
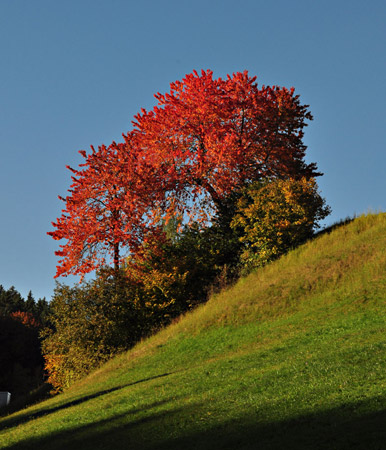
292	356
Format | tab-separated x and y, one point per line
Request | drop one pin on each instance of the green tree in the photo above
10	301
30	305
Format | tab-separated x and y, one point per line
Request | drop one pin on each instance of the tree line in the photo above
21	360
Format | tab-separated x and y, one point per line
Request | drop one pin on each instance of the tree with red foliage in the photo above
26	318
216	135
204	140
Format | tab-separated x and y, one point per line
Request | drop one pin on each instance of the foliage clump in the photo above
276	215
90	322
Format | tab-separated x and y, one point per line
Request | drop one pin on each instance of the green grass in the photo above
291	357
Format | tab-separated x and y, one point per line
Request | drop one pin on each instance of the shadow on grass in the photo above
184	428
36	396
19	419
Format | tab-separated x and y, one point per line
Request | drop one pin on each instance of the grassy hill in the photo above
291	357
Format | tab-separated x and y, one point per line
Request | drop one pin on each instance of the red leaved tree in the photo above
215	135
202	141
26	318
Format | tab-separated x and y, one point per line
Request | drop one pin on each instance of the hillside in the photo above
292	356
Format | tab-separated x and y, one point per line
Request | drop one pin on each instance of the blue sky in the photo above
73	74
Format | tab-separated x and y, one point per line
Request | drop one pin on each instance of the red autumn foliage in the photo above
110	205
26	318
203	140
217	134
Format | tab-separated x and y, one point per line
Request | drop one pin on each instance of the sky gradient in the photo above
74	73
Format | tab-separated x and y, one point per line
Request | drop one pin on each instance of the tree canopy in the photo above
202	141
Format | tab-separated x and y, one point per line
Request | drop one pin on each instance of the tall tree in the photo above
204	140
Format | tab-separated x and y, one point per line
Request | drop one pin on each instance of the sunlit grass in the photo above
293	356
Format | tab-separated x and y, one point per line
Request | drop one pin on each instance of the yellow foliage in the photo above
274	216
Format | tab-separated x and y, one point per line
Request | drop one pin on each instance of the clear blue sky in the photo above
73	73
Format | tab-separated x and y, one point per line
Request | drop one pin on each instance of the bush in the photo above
91	322
274	216
183	268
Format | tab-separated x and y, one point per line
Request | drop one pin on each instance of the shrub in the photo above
91	322
276	215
